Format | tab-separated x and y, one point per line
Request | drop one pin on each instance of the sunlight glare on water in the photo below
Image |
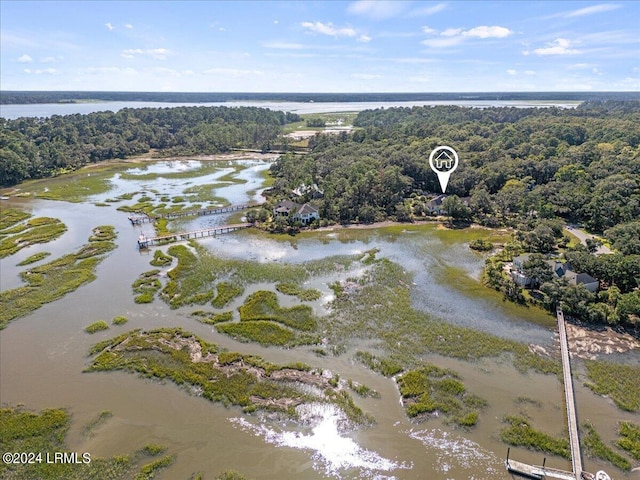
332	452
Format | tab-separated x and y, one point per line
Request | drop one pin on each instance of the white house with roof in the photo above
434	206
305	214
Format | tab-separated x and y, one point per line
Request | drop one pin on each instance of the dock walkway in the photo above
144	218
572	416
541	472
146	242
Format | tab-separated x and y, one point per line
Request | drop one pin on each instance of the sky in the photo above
331	46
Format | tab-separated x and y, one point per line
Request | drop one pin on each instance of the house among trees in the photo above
434	206
559	270
304	214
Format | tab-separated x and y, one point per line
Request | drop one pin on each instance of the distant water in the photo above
11	112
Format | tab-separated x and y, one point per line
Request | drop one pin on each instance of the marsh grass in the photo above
96	327
304	294
263	305
36	257
45	431
194	278
385	366
618	381
520	433
51	281
35	230
432	390
205	193
12	216
160	259
596	448
473	288
230	378
146	286
79	185
226	292
629	438
150	470
211	318
103	417
119	320
380	309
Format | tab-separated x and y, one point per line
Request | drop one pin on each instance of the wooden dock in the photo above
146	242
540	472
572	416
144	218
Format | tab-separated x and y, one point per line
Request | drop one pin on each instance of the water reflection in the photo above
333	452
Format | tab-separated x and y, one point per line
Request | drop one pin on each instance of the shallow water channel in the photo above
43	356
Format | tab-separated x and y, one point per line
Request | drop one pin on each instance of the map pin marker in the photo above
443	161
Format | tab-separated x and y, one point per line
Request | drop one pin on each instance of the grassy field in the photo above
52	281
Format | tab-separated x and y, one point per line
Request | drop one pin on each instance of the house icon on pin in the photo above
443	161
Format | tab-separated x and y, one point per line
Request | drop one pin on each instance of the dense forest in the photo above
25	97
529	169
41	147
580	164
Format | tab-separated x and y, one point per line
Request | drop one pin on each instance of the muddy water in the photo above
43	355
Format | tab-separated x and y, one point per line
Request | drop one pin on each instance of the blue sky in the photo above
334	46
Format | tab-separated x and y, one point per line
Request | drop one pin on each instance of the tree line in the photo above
40	147
530	169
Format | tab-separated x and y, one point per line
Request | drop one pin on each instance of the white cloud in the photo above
364	38
529	72
377	9
560	46
430	10
329	29
157	53
488	32
284	45
43	71
579	66
512	72
365	76
603	7
25	59
450	32
128	26
232	72
50	59
111	70
109	26
443	42
455	36
276	22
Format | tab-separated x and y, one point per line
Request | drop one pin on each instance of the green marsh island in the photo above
359	325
